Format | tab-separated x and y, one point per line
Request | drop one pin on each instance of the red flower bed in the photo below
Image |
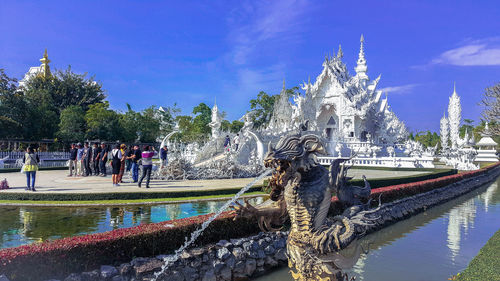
60	257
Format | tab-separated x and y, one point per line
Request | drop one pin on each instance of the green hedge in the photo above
376	183
118	195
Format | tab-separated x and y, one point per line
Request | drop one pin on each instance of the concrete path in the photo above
58	182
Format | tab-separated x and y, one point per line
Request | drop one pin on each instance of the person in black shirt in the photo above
72	159
87	156
135	155
103	158
96	150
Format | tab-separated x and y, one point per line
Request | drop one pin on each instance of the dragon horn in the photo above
269	146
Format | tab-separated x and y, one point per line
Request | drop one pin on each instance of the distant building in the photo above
487	147
43	70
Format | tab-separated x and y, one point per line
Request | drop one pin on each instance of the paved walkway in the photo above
58	182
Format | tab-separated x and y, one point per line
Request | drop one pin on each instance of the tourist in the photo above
30	167
116	159
236	142
227	143
147	164
87	155
79	160
163	156
103	158
72	159
96	151
123	149
135	155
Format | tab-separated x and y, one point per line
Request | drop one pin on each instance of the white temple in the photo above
342	108
348	111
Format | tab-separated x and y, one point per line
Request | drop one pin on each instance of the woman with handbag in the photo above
30	167
116	155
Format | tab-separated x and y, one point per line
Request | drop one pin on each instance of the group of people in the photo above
87	161
227	143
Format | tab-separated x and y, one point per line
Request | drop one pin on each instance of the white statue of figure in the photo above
338	149
216	121
391	151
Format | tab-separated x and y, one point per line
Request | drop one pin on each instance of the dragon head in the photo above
292	154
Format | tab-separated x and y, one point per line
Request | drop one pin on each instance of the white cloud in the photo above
257	23
473	53
403	89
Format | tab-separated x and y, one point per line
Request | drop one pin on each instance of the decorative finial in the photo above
283	83
340	54
44	68
454	87
362	40
309	80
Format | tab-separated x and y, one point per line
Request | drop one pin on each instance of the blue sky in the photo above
159	52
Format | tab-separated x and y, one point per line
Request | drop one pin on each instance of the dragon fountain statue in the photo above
301	192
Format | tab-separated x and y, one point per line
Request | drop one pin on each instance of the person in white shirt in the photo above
236	142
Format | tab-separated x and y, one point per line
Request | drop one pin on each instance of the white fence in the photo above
390	162
14	155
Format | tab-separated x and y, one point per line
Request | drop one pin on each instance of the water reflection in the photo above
460	217
429	246
25	225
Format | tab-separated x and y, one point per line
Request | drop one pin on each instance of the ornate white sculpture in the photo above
216	121
454	117
444	132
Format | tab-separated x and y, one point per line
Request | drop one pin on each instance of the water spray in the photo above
170	259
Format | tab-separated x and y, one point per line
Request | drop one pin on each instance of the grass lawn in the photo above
129	201
486	265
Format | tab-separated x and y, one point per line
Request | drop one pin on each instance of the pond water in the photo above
430	246
25	225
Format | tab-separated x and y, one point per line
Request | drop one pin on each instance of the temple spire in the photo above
340	54
45	68
361	68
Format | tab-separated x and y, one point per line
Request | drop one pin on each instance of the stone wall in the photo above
238	259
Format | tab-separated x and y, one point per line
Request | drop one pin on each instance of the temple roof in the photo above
486	141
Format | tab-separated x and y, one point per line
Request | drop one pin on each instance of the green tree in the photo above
149	128
263	107
225	126
130	123
66	88
467	126
201	120
236	126
12	107
72	124
103	123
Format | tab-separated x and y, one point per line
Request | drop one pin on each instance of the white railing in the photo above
43	155
390	162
